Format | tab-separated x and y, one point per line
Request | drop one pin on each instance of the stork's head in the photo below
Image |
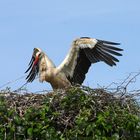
35	57
34	64
39	64
36	52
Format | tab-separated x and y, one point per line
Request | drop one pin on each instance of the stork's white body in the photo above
72	70
49	73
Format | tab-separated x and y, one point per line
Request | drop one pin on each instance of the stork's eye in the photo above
39	55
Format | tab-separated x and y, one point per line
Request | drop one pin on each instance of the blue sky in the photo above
53	25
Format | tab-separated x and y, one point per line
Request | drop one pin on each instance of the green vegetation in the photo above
74	114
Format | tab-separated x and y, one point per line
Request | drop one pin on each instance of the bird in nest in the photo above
84	51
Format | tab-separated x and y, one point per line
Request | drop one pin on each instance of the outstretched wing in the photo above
83	53
33	68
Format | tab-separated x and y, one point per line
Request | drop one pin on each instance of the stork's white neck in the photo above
45	66
49	62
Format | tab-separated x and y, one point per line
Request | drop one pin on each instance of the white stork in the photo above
83	52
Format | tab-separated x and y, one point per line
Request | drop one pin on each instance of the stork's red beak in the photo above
33	62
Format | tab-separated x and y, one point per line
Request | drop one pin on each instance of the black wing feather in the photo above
30	64
103	51
32	74
109	55
83	64
109	50
108	42
34	70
